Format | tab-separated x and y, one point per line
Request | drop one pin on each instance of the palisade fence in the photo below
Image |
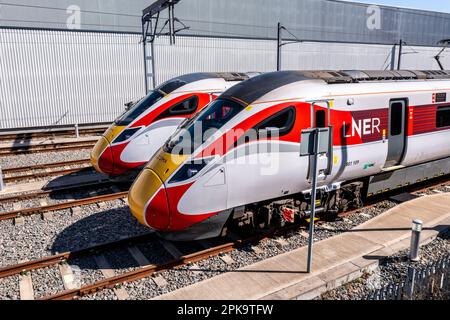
430	282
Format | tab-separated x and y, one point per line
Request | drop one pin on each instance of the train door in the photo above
397	132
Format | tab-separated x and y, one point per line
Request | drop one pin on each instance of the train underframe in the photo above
352	194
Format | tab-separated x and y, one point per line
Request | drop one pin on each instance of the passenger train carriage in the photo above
389	129
139	132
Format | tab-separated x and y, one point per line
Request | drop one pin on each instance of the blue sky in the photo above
433	5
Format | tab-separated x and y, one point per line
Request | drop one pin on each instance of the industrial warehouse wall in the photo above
53	77
59	77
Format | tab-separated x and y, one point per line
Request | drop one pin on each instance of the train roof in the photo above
175	83
250	90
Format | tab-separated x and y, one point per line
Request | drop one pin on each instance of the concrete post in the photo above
77	130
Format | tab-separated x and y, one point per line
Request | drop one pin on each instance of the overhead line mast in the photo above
150	20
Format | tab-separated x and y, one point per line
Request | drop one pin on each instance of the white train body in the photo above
138	133
386	134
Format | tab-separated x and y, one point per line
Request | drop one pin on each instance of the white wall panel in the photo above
53	77
57	77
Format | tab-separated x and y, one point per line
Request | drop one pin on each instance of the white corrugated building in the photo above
79	61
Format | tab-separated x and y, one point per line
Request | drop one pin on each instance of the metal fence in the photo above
430	282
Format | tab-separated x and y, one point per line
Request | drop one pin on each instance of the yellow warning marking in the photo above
335	159
249	108
315	219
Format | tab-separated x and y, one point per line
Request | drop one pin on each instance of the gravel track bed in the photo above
83	170
9	288
46	281
121	261
23	160
60	196
180	277
107	294
85	270
5	207
393	269
64	232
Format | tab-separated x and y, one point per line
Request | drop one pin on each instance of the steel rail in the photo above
60	257
45	166
39	194
60	206
16	150
45	174
146	271
31	135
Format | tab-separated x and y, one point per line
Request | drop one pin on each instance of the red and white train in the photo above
138	133
389	129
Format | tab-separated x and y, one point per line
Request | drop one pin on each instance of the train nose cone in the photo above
101	156
147	199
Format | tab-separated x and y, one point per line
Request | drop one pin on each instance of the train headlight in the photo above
126	134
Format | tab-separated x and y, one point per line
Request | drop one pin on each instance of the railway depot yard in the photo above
215	165
42	235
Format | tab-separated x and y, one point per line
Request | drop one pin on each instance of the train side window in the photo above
282	122
443	117
396	118
320	119
185	107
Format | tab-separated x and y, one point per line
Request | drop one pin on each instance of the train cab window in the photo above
443	117
209	120
185	107
396	118
139	108
281	123
320	119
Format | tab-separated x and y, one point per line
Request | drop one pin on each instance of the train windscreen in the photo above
198	129
131	115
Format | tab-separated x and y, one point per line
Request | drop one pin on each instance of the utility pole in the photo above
280	43
150	19
280	27
400	52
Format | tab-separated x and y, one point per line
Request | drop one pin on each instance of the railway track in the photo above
48	147
61	257
148	270
60	206
54	191
43	170
51	134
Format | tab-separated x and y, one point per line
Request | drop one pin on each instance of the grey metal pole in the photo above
77	130
400	52
152	48
415	240
313	199
171	25
279	47
394	51
144	47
